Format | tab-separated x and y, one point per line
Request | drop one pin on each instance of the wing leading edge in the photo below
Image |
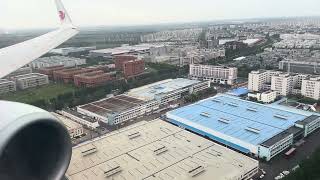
18	55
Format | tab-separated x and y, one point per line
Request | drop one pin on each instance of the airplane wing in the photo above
18	55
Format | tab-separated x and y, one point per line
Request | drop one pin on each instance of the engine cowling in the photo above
33	144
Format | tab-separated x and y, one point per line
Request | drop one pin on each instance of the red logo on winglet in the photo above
62	15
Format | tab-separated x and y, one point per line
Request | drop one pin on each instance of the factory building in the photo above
248	127
21	71
168	90
49	70
215	74
93	79
72	50
57	61
133	68
84	120
75	130
7	86
157	150
31	80
117	110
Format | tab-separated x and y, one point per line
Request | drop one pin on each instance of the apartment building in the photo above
7	86
311	87
21	71
93	79
215	74
261	80
31	80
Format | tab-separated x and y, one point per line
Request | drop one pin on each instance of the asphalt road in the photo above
279	164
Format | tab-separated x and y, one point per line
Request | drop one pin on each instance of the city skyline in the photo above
15	14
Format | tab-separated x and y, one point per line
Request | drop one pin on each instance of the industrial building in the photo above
215	74
301	65
72	50
75	130
93	79
21	71
248	127
31	80
50	61
168	90
7	86
157	150
84	120
117	110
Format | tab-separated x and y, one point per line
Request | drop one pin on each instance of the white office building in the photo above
31	80
7	86
215	74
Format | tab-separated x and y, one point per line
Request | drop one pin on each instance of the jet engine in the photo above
33	144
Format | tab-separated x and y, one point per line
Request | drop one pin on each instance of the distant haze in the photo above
27	14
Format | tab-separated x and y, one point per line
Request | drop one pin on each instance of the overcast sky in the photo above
18	14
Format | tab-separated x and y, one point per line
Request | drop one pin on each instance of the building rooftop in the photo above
29	76
112	105
308	120
155	150
236	118
84	117
150	91
69	124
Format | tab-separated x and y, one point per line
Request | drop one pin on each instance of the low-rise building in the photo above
49	70
67	75
169	90
57	61
84	120
93	79
21	71
157	150
119	109
75	130
7	86
121	59
31	80
215	74
265	97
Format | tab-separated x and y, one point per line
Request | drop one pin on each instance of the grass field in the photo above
38	93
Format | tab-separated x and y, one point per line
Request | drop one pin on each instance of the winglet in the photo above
63	14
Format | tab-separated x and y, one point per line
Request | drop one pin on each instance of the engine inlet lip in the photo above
16	125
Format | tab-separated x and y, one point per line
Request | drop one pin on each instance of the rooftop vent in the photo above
224	120
89	151
279	116
112	171
233	104
196	171
216	100
205	114
252	109
253	130
134	135
160	150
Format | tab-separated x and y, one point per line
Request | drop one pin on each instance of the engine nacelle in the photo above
33	144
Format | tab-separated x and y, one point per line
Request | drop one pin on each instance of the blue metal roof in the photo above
239	91
248	121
